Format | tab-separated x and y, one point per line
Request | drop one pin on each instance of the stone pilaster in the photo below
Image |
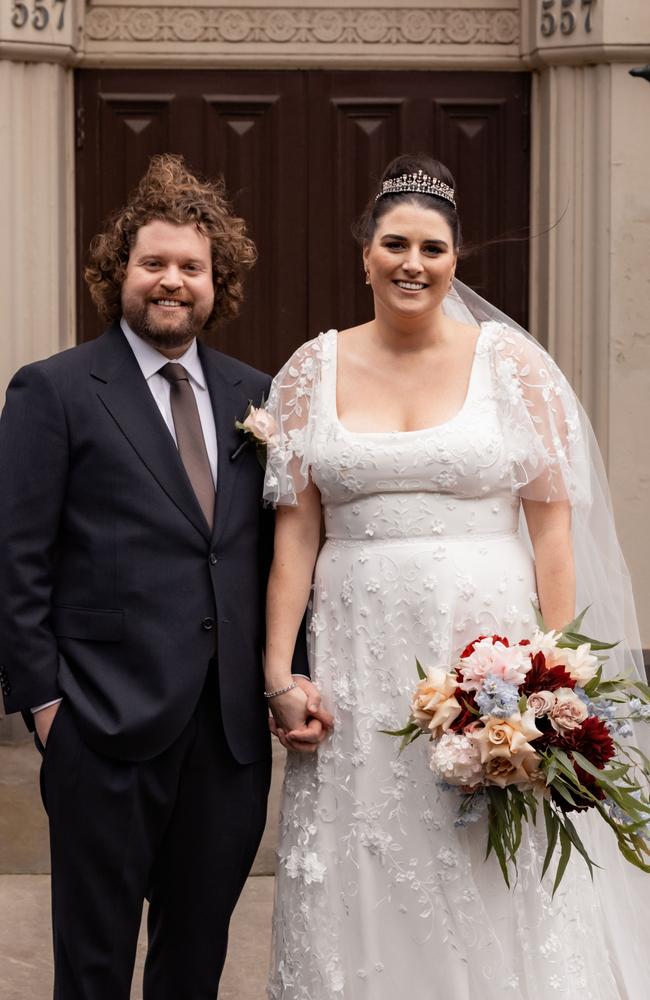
37	199
628	249
570	206
590	291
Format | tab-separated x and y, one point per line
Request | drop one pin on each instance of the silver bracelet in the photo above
274	694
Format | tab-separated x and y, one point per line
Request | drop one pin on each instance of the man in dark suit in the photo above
131	601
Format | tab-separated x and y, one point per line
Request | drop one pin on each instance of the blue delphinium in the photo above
497	698
638	709
606	709
623	729
583	696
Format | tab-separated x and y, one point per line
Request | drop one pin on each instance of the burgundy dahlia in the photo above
543	678
592	739
470	710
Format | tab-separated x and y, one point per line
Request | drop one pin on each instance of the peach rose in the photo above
260	424
541	702
434	706
504	771
568	712
506	737
536	774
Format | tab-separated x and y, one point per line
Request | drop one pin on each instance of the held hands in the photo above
298	720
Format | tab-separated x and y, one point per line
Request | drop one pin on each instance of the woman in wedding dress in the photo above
450	460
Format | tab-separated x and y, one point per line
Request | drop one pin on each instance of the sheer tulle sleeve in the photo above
293	404
545	427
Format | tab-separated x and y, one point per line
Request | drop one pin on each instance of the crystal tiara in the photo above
419	183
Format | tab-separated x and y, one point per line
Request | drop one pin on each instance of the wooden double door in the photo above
301	152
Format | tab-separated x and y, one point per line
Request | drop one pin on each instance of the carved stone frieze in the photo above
327	26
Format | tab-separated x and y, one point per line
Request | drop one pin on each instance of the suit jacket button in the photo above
213	559
207	624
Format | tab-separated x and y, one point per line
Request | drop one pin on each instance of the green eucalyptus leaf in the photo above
574	625
632	857
575	639
642	687
592	686
552	828
579	846
401	732
565	854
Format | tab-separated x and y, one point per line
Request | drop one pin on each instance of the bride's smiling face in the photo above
410	260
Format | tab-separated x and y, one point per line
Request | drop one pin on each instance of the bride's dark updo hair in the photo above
364	229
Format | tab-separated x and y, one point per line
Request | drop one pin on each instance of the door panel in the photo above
139	125
301	152
247	126
476	123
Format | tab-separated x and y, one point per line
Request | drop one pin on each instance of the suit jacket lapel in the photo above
228	405
125	394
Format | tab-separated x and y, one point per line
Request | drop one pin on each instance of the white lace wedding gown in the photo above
379	893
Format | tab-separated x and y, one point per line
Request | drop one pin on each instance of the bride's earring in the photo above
367	276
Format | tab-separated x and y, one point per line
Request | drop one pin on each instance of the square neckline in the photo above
420	430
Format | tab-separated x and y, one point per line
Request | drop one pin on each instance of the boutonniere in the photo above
258	428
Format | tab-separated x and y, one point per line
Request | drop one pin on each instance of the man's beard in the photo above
162	336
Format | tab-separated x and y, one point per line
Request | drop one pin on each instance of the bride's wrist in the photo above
279	693
276	679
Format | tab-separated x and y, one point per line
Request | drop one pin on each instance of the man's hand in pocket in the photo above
43	720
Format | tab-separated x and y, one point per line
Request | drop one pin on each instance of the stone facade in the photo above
590	289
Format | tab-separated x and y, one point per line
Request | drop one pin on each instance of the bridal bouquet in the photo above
518	725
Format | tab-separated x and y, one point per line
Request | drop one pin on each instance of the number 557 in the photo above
39	14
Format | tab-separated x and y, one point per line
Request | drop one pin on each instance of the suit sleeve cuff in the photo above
48	704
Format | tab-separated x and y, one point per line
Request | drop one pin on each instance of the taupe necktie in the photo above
189	436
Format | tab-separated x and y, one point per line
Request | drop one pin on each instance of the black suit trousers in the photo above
181	829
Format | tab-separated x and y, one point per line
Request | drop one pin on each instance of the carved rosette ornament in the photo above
362	26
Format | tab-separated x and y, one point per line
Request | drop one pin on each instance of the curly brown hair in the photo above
169	192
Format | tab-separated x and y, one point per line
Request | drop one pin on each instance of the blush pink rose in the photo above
260	424
493	659
568	712
541	702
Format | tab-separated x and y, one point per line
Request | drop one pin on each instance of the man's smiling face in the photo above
168	293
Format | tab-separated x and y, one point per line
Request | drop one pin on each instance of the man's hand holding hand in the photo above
317	724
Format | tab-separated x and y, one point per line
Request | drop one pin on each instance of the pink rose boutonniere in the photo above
259	428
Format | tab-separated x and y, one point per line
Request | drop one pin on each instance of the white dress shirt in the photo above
151	361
